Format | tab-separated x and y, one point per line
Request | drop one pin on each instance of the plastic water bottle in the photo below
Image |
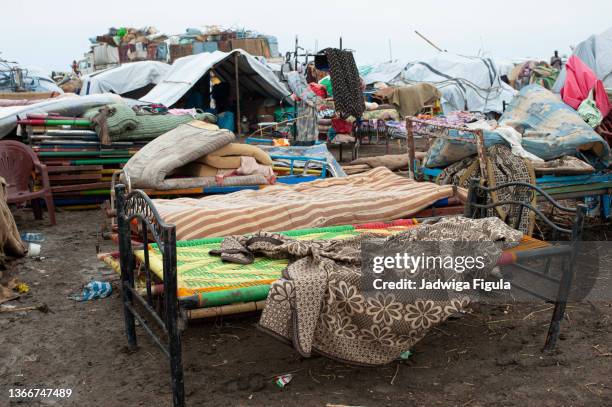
30	237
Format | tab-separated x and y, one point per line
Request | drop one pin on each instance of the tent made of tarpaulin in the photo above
596	52
382	72
187	71
125	79
466	83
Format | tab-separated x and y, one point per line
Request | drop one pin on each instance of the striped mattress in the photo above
378	195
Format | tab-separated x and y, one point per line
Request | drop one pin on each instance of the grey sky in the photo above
50	34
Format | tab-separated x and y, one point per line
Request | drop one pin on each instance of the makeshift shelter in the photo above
242	77
132	80
466	83
596	52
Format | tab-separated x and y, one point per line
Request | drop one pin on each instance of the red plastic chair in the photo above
17	162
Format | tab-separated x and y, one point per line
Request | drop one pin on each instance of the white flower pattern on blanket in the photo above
319	304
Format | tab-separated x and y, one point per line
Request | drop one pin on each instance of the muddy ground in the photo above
490	356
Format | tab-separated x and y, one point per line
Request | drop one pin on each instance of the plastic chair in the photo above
17	163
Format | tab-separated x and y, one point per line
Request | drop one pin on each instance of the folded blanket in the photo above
566	165
228	157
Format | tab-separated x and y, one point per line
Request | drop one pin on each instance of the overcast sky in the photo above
50	34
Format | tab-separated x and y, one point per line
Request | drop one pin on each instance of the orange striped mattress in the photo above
378	195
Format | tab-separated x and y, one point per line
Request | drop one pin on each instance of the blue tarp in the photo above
550	129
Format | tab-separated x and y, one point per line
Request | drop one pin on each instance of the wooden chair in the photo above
17	165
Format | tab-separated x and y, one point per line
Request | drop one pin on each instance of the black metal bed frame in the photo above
136	213
164	310
477	207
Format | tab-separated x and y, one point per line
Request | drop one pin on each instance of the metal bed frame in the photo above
477	207
164	317
429	130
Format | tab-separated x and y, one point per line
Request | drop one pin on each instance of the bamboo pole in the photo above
237	81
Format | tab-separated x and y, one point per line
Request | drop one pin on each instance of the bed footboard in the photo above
158	315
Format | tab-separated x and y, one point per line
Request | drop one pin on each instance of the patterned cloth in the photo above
503	166
319	304
346	83
93	291
306	123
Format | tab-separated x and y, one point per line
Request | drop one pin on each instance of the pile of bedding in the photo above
231	160
211	159
119	122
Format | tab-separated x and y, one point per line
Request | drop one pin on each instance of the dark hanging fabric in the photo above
346	84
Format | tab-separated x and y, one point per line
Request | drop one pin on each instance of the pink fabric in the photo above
579	81
248	166
318	89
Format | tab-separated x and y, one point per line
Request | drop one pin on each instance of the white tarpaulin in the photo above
186	71
125	78
596	52
466	83
383	72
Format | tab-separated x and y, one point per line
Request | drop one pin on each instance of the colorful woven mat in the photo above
200	272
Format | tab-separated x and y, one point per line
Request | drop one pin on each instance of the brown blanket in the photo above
322	305
375	196
409	100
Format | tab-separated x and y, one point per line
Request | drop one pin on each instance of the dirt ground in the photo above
489	356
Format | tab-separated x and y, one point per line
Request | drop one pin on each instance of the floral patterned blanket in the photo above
320	304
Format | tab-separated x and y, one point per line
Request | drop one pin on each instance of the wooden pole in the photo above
411	149
237	82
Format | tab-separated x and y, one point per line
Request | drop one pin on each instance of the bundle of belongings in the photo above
409	100
119	122
502	166
197	154
375	196
584	92
231	160
537	125
323	304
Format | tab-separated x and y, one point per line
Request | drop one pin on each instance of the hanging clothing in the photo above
306	123
346	83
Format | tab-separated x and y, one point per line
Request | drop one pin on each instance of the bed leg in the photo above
172	315
127	267
560	304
